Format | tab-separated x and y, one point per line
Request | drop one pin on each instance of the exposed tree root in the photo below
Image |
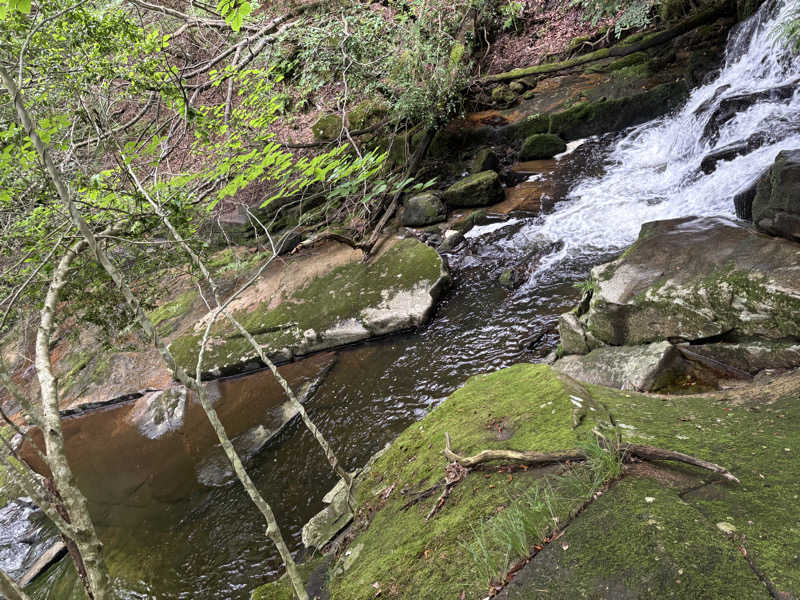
454	474
625	450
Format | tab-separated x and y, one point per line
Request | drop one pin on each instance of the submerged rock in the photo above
541	146
324	526
776	205
423	209
216	469
479	189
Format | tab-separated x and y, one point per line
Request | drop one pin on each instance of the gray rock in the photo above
324	526
395	291
690	279
641	368
743	200
776	206
736	360
479	189
452	239
423	209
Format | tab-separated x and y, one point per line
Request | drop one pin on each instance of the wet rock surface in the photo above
776	205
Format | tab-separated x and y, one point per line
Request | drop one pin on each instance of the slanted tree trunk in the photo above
86	538
10	589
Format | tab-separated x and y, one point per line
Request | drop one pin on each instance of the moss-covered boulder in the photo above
485	160
479	189
541	146
422	209
503	94
352	302
689	280
370	112
327	127
663	530
776	206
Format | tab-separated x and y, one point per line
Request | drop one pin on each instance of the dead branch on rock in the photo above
651	453
526	457
625	450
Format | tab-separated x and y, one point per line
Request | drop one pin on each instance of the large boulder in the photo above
327	127
642	368
776	206
422	209
540	146
690	279
479	189
349	303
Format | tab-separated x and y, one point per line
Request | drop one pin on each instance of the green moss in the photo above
325	301
654	537
369	112
550	67
750	437
327	127
173	309
479	189
526	400
622	63
541	146
634	548
589	118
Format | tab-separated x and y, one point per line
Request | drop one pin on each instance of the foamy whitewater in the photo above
653	172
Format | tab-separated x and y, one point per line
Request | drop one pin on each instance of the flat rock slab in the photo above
639	540
690	279
349	303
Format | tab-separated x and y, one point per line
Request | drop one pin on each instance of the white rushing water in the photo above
653	172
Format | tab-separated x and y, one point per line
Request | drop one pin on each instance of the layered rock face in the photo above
776	206
725	295
350	303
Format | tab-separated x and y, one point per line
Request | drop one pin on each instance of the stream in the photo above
208	542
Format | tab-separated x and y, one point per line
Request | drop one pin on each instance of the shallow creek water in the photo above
170	537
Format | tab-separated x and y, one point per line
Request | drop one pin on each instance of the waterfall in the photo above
654	171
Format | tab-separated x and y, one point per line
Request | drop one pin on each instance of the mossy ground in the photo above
667	546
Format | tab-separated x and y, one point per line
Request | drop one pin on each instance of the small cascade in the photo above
695	161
